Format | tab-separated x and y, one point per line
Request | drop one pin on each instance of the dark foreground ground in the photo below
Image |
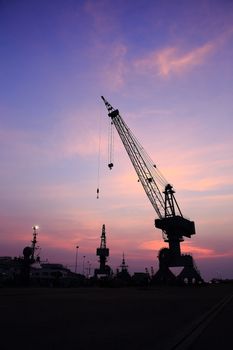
117	319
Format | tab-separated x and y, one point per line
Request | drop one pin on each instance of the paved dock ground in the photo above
116	318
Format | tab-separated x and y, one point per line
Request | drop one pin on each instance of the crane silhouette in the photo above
170	218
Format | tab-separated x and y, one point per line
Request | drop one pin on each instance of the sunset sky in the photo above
167	66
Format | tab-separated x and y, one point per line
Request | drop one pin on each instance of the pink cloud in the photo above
174	60
189	170
152	245
187	247
86	144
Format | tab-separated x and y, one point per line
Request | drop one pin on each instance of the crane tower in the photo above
103	253
170	218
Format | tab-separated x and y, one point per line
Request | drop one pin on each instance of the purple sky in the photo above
167	66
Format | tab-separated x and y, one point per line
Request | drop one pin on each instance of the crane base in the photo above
164	276
188	275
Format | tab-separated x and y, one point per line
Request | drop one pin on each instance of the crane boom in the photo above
144	167
135	150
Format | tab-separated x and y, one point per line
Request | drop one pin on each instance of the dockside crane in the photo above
170	218
103	253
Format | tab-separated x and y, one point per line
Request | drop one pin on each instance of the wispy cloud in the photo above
172	60
72	135
198	251
116	67
97	10
176	60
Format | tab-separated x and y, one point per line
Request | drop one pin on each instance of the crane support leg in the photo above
188	275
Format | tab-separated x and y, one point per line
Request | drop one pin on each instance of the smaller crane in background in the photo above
34	242
103	253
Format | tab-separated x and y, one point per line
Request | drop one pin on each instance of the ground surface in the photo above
115	319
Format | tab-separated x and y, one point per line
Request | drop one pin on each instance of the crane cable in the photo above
110	144
99	156
151	165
